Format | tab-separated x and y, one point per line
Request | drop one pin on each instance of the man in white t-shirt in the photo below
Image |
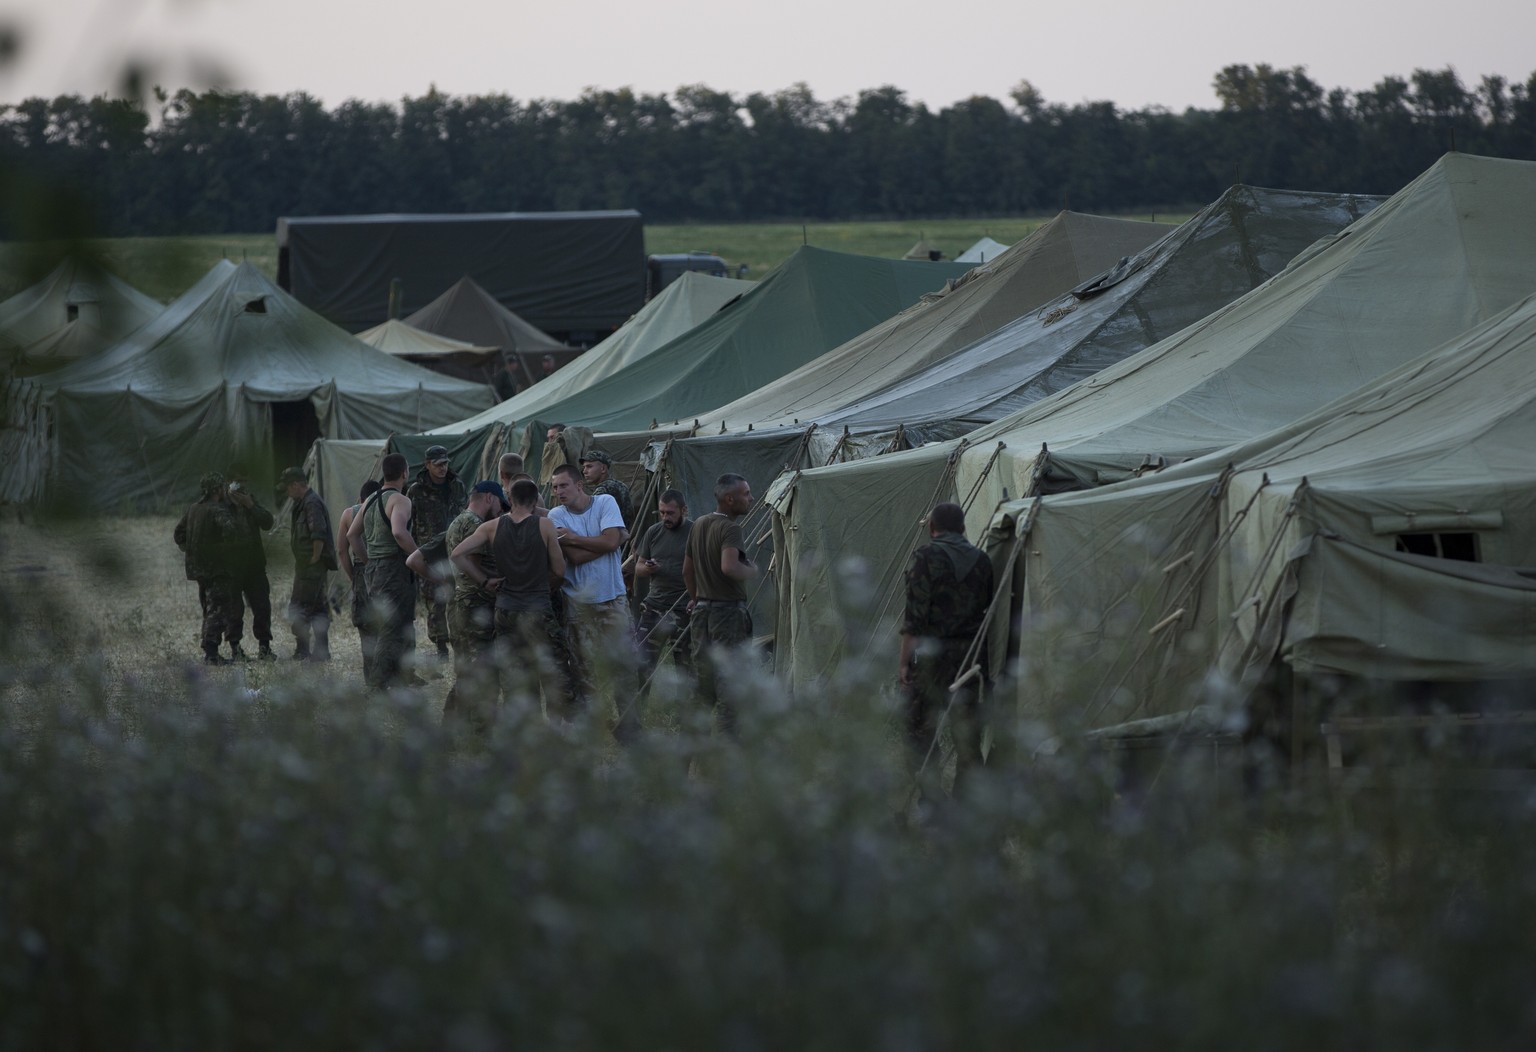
597	621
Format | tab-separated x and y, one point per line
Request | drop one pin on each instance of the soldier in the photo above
597	621
949	586
314	556
437	497
352	566
509	469
715	572
381	534
209	533
597	470
658	558
527	563
251	572
471	611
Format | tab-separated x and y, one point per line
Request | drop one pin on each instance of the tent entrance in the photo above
294	429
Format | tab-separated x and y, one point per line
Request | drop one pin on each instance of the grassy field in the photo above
266	856
166	267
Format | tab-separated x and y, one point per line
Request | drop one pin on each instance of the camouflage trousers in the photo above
392	609
602	644
473	696
938	664
308	612
367	637
222	609
434	605
531	653
717	628
257	591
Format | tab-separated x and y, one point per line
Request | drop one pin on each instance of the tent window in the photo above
257	305
1460	546
71	311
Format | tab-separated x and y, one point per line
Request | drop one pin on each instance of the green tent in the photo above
76	311
235	369
1449	250
468	313
816	300
1390	535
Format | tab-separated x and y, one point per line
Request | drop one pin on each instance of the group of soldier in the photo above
529	601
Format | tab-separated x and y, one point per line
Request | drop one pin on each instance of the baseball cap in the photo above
436	453
491	487
292	475
597	455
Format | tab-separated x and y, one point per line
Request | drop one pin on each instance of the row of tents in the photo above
1290	431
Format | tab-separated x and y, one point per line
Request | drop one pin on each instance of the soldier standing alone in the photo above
949	585
314	556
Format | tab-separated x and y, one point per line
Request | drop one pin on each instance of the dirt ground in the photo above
114	591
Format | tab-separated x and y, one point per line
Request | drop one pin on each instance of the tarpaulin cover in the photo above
194	389
559	271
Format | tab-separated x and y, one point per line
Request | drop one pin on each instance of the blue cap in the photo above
493	488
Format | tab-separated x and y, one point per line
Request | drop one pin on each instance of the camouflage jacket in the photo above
309	523
210	533
433	507
620	494
949	586
252	521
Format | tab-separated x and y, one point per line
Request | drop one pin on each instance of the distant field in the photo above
166	267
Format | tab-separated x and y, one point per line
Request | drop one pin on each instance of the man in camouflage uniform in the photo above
314	556
949	586
597	471
437	497
209	533
715	572
251	574
471	612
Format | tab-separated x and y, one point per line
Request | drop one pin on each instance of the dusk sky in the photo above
1131	52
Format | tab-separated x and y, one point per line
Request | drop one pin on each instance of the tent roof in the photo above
1227	249
404	340
235	328
36	327
983	251
469	313
816	300
1448	251
923	250
1060	255
683	305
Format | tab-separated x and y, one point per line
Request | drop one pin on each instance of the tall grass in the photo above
193	860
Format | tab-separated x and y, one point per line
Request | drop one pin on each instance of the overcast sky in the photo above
1132	52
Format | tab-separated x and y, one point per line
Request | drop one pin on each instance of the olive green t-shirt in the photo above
712	533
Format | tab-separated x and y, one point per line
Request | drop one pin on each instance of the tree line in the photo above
233	162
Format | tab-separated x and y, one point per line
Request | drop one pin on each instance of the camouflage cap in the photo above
597	455
435	453
292	475
211	482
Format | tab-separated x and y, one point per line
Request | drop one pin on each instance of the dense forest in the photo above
221	162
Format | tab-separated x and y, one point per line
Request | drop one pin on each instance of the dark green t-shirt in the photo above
711	533
667	547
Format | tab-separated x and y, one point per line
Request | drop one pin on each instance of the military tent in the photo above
1447	251
233	369
76	311
983	251
468	313
439	353
1390	535
814	301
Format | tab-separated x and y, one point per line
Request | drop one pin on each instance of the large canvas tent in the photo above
469	313
1449	250
441	354
233	369
1390	535
561	271
816	300
985	250
76	311
973	355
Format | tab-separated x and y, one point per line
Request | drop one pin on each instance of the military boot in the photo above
322	651
264	653
301	648
236	654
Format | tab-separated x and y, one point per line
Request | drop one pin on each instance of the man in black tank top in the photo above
530	645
